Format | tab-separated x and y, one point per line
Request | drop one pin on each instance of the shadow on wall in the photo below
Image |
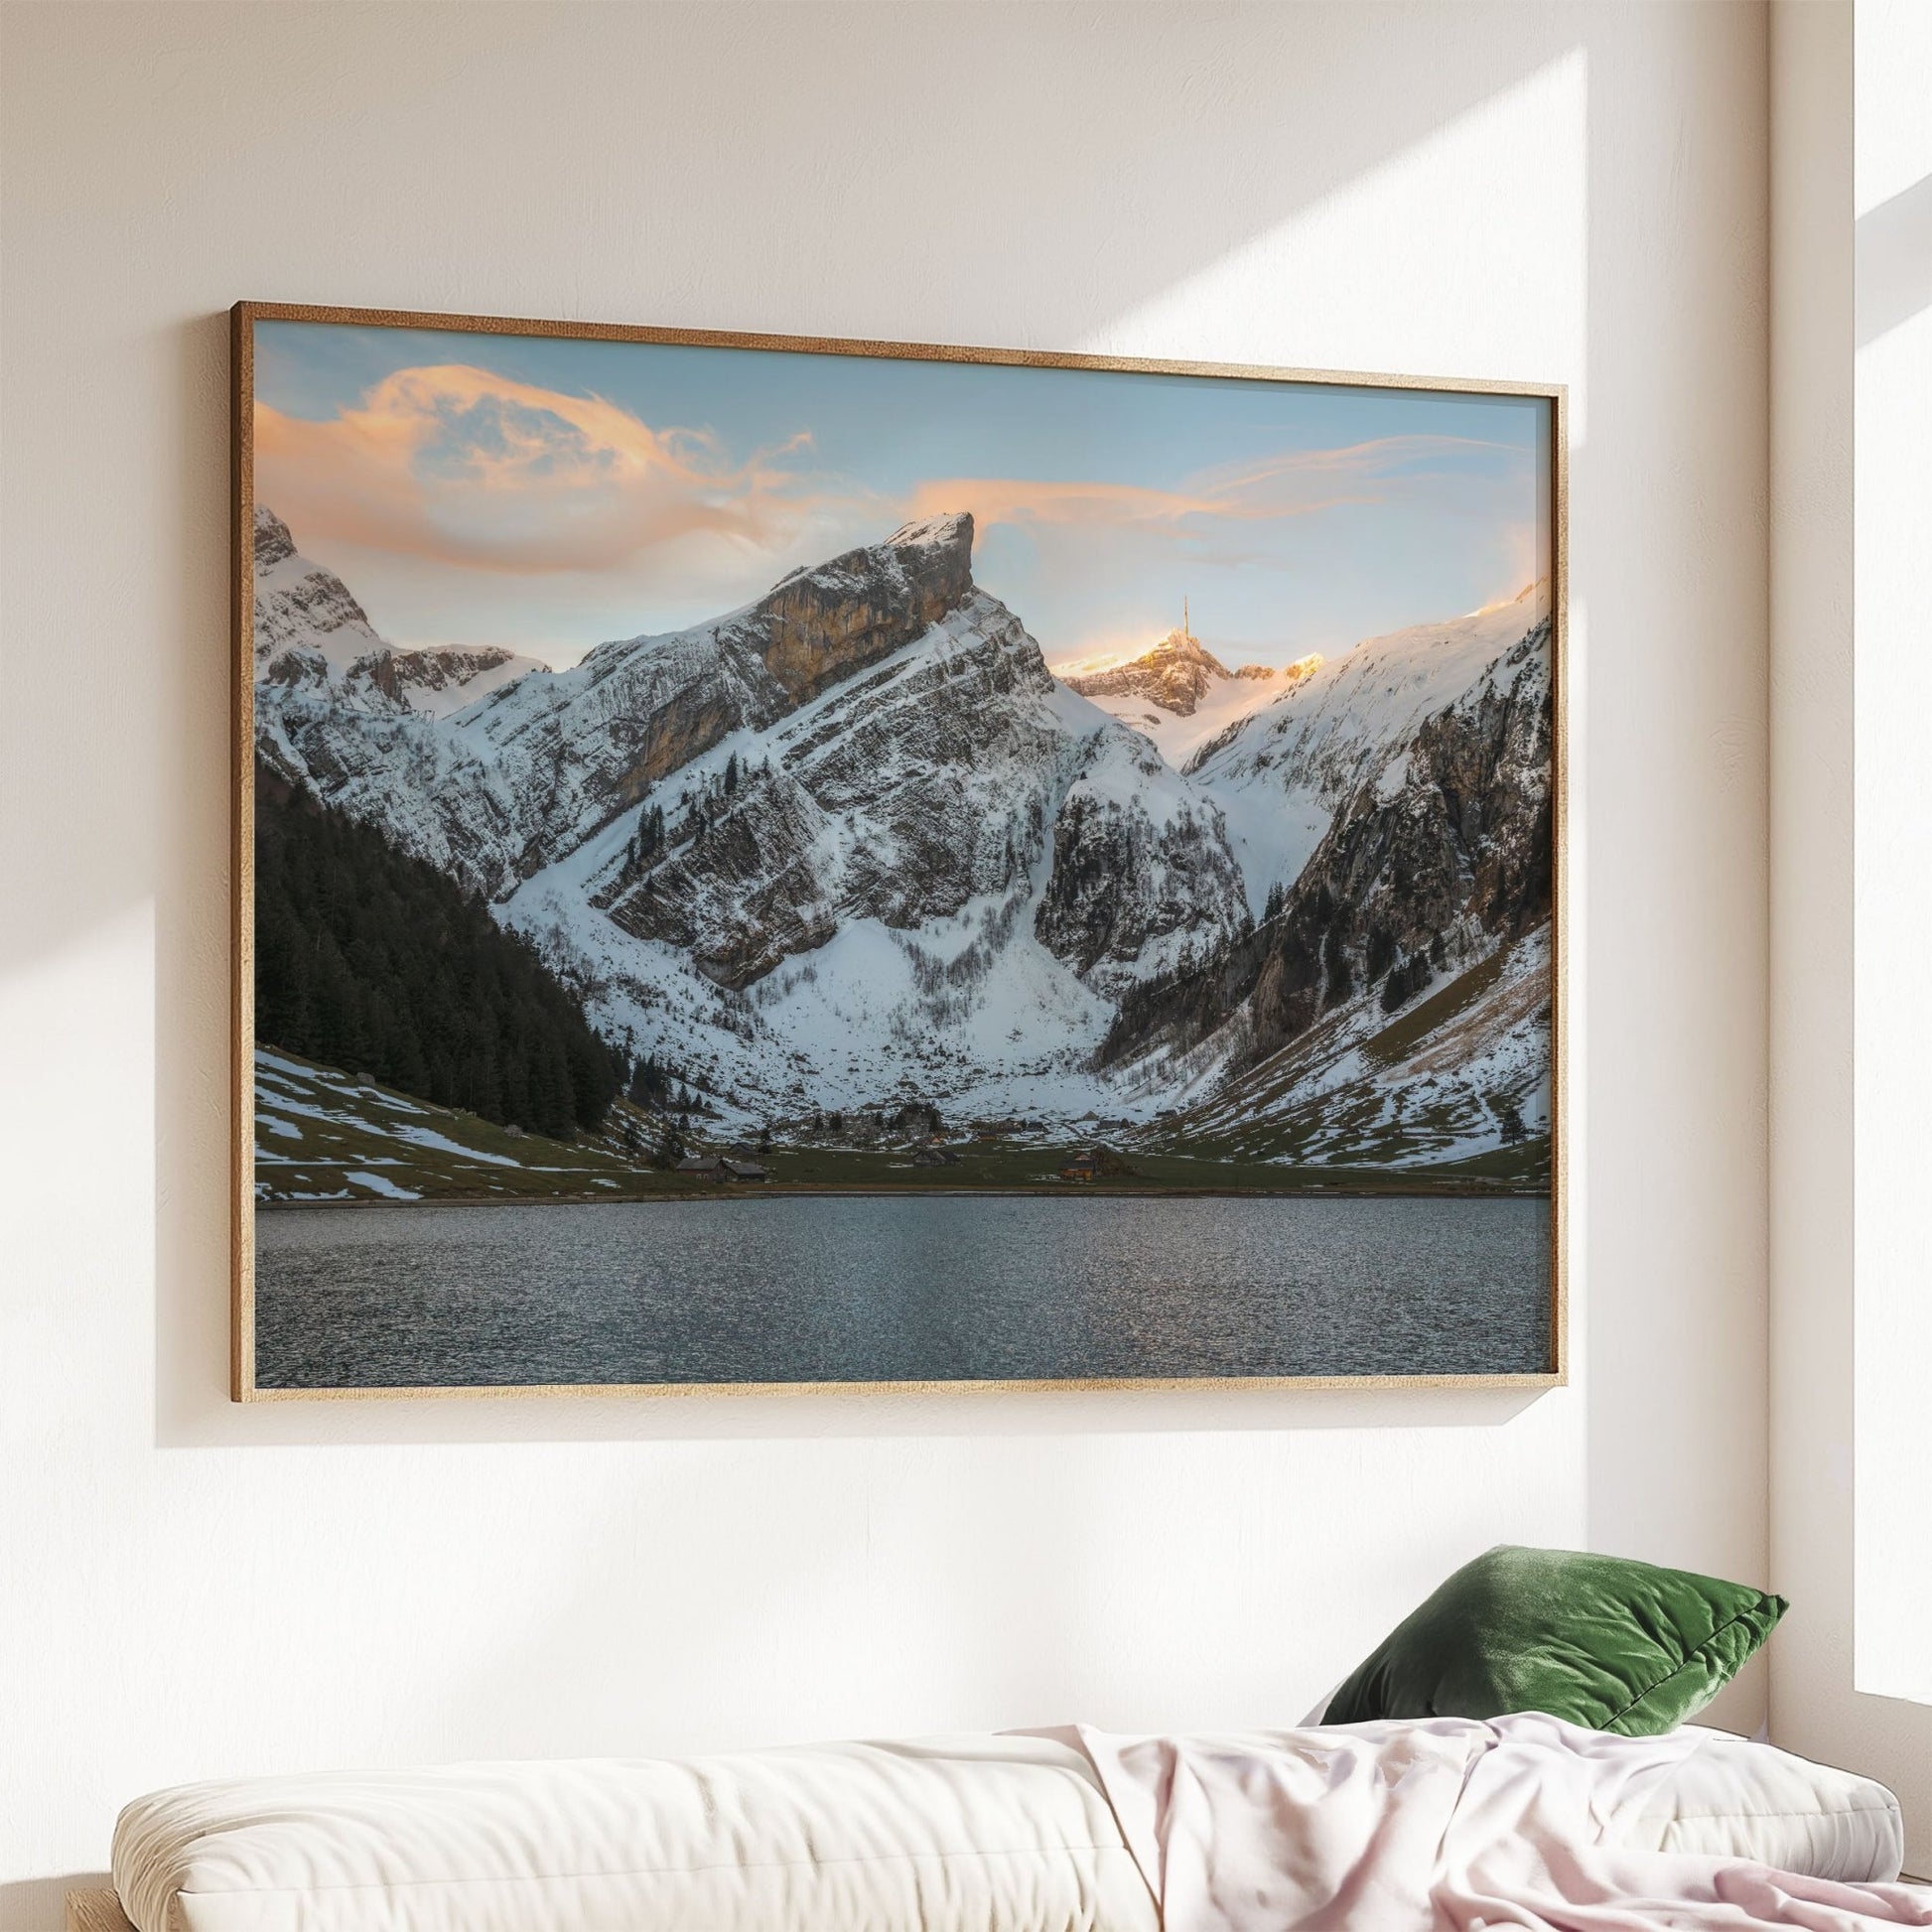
1894	261
723	1416
1180	125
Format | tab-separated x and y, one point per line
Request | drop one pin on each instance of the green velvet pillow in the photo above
1594	1640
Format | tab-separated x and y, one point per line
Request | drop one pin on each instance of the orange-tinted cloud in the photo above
459	466
1299	483
462	465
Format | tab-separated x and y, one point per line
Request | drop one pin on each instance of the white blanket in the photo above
1423	1826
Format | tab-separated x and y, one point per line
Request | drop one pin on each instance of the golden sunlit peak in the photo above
1503	603
1182	635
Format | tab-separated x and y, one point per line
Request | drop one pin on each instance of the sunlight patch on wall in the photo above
1396	257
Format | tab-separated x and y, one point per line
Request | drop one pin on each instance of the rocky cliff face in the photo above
1136	860
872	802
820	626
954	772
1438	855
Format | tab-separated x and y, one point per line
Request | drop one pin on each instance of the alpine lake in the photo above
807	1283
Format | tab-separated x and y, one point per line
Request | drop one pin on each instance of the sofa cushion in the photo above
973	1835
1731	1798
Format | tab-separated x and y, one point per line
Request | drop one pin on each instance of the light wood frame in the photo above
243	318
98	1911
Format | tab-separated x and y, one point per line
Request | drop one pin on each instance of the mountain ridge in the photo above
855	839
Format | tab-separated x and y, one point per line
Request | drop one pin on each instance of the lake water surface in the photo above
899	1288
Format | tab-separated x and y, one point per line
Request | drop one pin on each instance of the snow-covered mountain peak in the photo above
507	772
440	680
948	532
1281	771
1535	596
933	549
272	540
1180	694
310	633
313	636
1176	675
1282	676
1371	693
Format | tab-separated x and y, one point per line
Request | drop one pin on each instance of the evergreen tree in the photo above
731	775
648	841
373	961
671	1146
649	1086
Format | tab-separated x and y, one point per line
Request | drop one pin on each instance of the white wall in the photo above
1849	825
1543	191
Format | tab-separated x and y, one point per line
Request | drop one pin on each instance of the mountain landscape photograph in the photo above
783	867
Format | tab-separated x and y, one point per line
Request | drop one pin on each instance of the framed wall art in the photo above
767	863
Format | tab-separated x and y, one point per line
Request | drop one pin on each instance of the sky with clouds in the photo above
549	495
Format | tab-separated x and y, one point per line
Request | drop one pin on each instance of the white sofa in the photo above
979	1834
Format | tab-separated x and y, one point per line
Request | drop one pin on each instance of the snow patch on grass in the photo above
382	1185
427	1136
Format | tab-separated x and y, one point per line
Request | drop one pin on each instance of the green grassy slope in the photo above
321	1136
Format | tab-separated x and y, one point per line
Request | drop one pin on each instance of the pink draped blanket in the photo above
1425	1827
